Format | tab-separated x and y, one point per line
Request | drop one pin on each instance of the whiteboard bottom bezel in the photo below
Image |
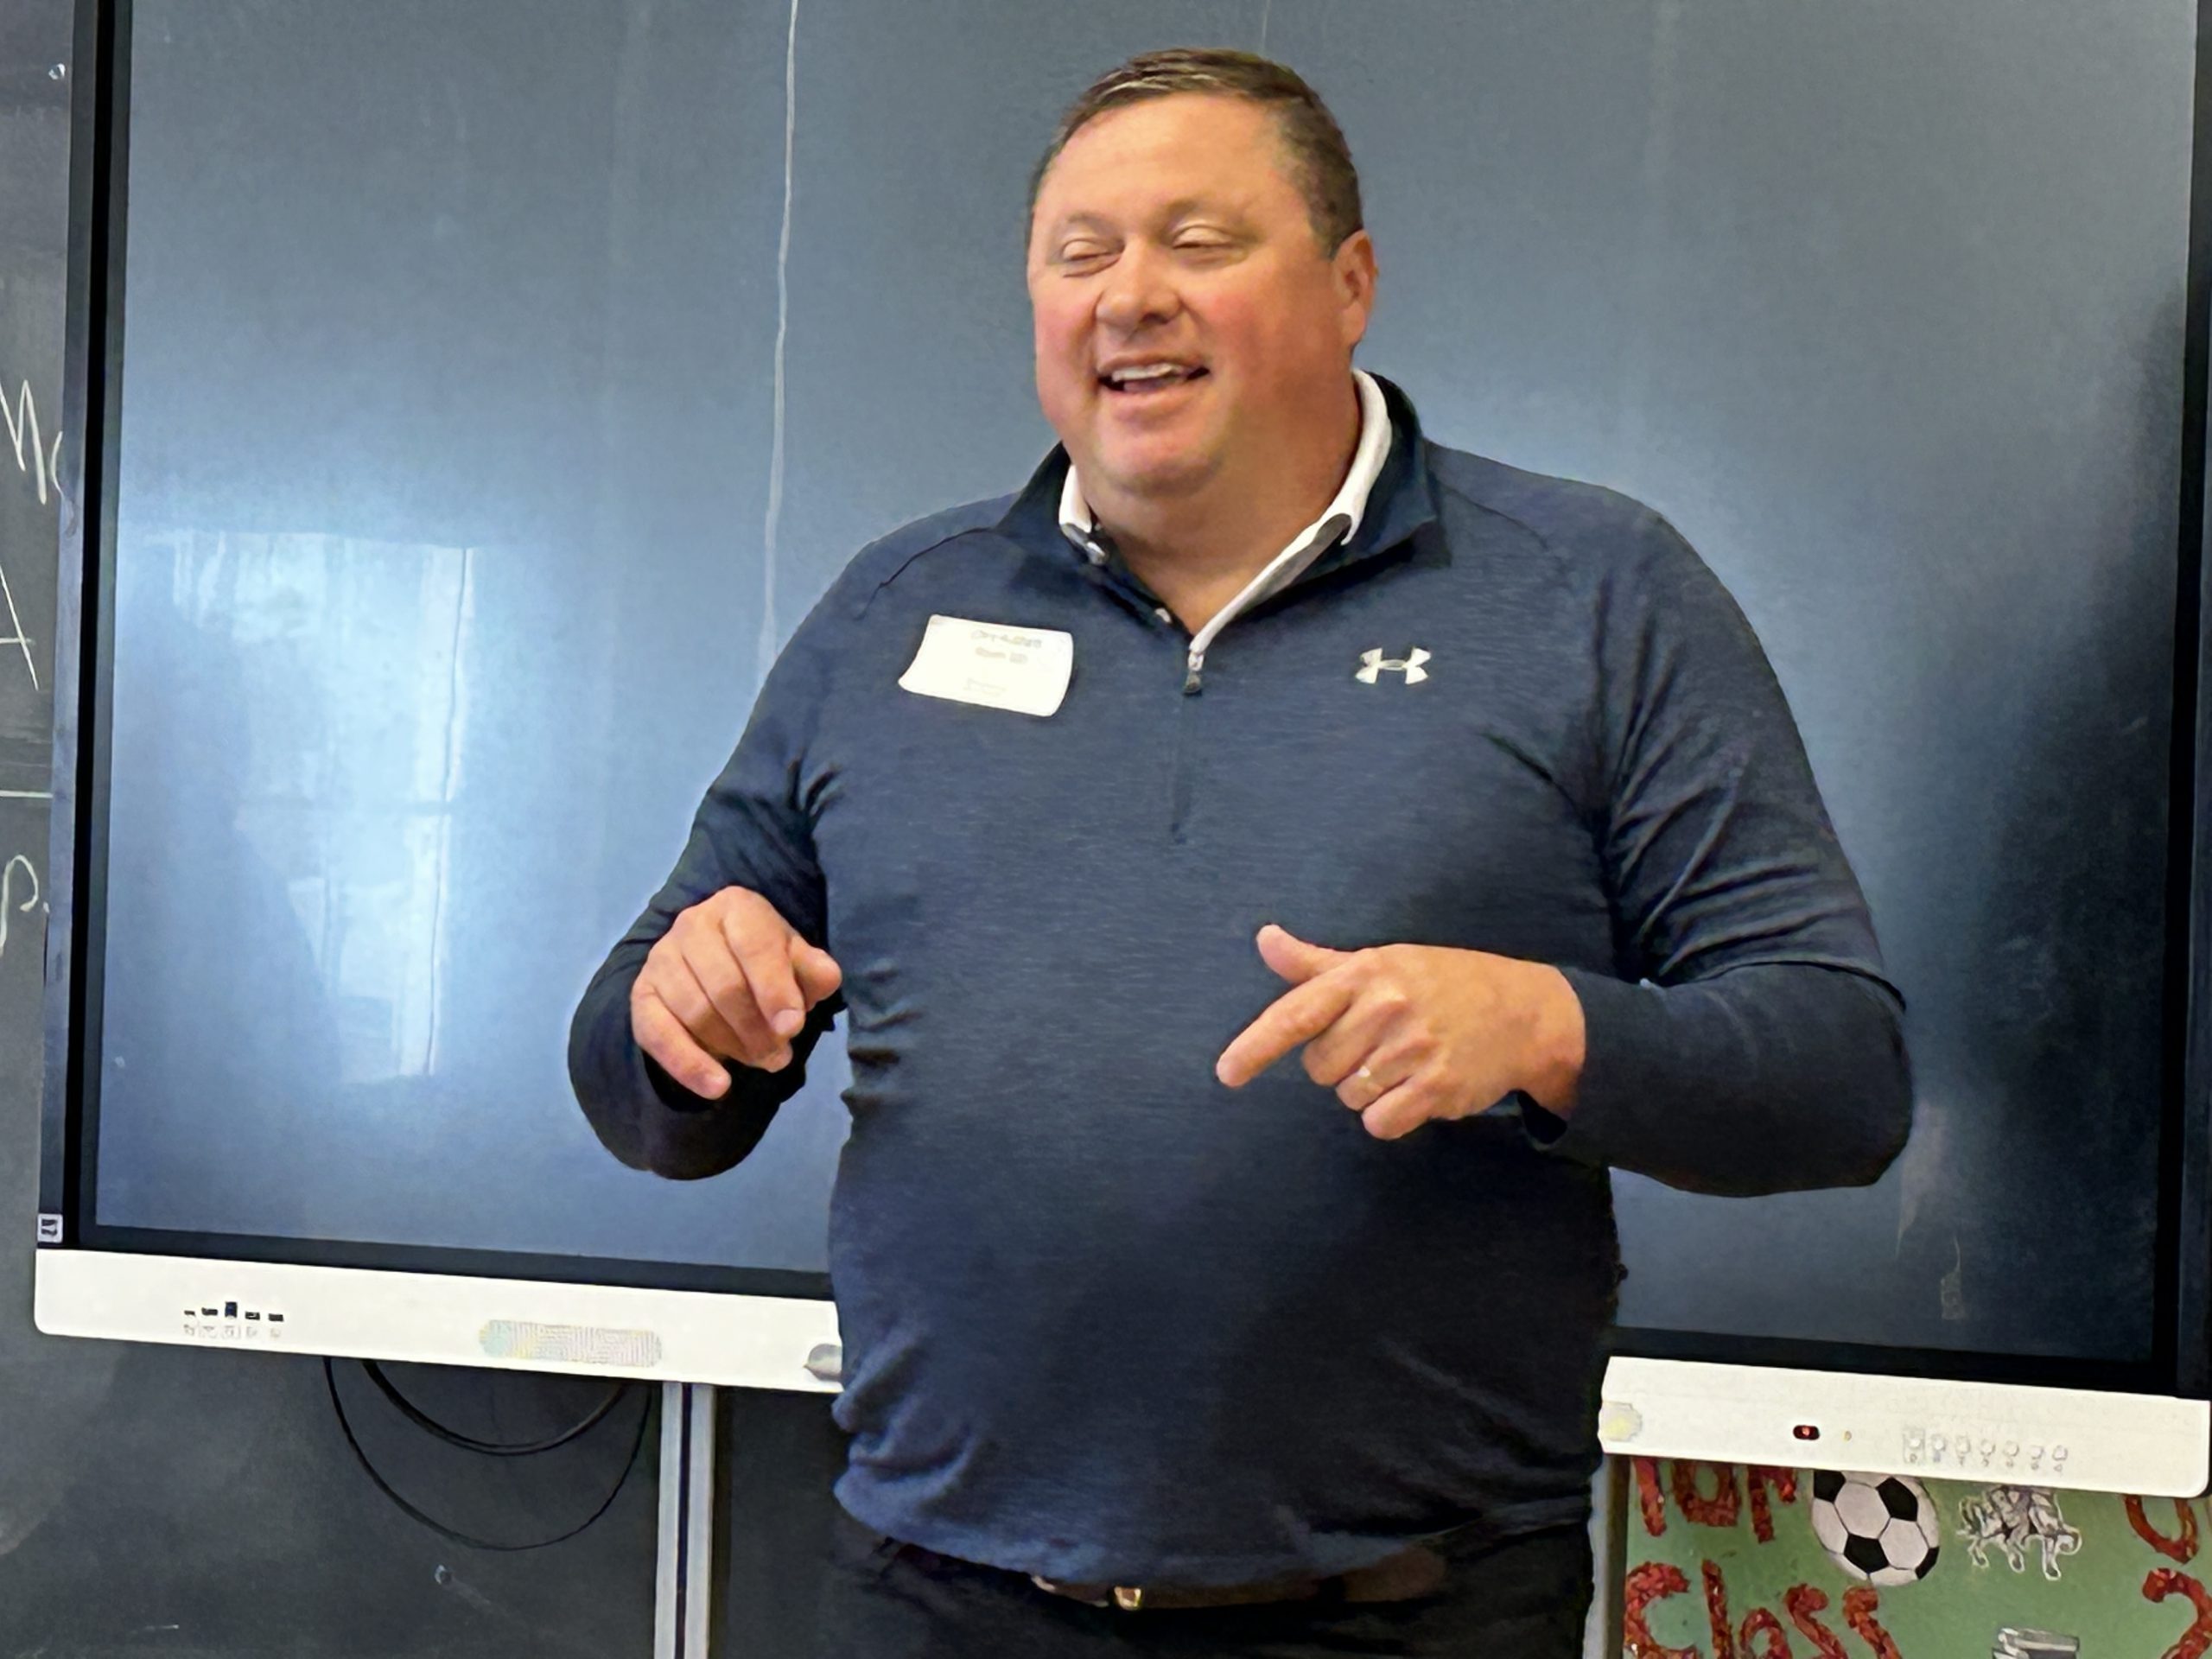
2149	1445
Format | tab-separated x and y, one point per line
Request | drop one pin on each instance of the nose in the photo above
1138	291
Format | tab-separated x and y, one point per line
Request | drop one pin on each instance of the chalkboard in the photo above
55	1387
191	1503
34	116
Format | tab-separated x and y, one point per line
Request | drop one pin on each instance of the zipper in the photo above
1262	586
1284	569
1270	582
1182	785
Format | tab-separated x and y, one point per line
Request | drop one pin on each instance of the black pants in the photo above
1522	1598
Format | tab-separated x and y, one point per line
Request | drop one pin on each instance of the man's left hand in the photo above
1408	1032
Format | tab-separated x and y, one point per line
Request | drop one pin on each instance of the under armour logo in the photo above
1374	664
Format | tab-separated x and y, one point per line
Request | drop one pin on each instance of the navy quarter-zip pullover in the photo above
1105	1320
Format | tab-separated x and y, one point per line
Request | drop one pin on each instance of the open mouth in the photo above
1149	381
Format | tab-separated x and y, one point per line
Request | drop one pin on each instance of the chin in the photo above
1161	480
1155	468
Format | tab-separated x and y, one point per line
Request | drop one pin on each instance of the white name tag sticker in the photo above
1025	670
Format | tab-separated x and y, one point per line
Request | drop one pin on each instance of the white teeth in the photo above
1149	371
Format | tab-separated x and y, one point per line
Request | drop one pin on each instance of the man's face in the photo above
1168	232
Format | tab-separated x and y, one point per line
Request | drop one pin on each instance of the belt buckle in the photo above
1130	1598
1074	1592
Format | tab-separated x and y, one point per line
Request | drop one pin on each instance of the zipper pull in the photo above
1193	666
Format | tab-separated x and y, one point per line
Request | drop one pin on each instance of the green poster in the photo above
1733	1562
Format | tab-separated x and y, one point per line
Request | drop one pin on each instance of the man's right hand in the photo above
729	980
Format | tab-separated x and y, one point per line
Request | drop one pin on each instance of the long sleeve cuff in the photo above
1769	1077
650	1121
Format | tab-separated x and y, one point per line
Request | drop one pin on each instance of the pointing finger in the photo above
1297	1016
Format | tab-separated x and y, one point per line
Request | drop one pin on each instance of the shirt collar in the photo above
1337	523
1401	501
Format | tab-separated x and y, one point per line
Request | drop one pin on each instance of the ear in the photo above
1352	270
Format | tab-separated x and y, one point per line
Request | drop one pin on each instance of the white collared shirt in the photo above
1337	522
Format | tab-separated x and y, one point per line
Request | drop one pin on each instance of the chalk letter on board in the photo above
8	893
22	418
8	592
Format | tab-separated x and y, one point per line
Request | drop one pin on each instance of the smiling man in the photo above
1270	868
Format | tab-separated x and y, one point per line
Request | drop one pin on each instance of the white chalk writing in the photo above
7	905
44	462
43	466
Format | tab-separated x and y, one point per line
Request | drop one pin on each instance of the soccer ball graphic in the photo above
1879	1528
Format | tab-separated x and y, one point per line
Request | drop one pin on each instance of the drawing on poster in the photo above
2012	1518
1882	1529
2034	1644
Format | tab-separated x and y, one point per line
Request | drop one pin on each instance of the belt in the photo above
1414	1571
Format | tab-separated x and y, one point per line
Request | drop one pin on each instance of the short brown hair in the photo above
1319	160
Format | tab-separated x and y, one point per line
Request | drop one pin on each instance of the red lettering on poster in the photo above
2164	1582
1717	1511
1653	1581
2182	1546
1801	1602
1647	1495
1758	1477
1716	1610
1774	1643
1859	1605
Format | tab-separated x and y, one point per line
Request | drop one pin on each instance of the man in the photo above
1257	726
